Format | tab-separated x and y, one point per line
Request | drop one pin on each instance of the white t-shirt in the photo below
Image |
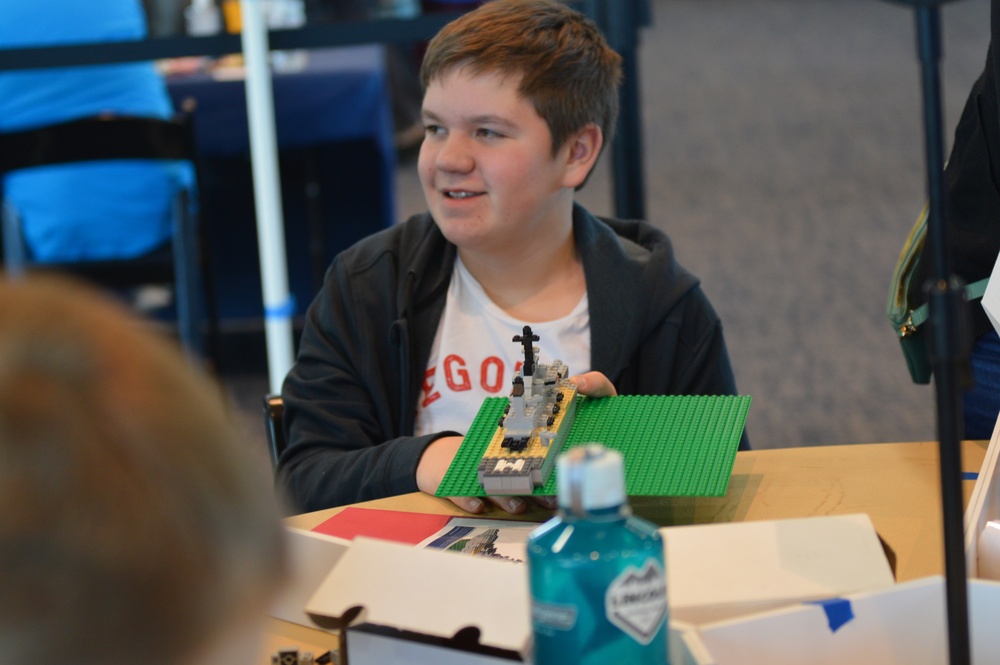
473	356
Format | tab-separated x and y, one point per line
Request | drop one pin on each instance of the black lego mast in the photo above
949	353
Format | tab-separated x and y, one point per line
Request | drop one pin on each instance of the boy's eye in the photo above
433	129
488	133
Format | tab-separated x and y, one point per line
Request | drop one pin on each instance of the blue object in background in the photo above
85	211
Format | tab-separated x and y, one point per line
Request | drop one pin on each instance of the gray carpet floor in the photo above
784	156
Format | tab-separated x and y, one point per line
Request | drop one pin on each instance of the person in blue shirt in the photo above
85	211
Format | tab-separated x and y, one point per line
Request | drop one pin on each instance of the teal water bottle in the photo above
596	573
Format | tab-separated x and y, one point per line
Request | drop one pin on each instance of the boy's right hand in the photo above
434	464
594	384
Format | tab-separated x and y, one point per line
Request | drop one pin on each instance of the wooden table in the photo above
896	484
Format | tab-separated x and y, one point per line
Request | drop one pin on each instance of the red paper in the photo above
394	525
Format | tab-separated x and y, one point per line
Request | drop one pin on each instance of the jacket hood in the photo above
656	282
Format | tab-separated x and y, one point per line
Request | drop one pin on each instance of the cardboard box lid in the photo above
427	591
983	507
685	645
717	571
902	625
311	557
714	572
991	297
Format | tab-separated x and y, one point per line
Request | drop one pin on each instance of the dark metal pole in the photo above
623	19
946	298
949	349
345	33
620	21
626	151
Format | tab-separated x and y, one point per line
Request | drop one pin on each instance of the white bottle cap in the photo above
202	18
591	477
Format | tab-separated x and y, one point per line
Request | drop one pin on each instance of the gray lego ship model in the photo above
535	424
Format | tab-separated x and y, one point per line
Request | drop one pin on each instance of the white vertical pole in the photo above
278	304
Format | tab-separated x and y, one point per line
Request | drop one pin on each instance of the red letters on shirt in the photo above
493	381
430	395
492	377
455	374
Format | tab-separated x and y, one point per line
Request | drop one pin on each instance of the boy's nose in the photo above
454	155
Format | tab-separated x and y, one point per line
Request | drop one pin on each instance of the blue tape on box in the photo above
838	611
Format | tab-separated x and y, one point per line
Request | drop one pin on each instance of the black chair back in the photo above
98	138
274	413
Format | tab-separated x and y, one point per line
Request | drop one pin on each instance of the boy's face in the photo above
486	165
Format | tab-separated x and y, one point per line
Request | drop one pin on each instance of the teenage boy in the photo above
413	326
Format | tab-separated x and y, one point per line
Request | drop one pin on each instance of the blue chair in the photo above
181	264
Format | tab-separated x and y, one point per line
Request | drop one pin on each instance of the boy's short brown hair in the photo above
568	71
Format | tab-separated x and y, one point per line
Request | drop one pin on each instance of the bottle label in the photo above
551	615
636	601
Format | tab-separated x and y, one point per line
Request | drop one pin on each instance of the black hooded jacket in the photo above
351	398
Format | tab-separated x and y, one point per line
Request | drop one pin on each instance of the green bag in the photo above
907	321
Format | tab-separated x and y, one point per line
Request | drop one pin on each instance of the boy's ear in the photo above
584	148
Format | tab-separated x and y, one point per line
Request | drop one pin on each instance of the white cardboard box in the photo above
991	298
443	603
904	625
311	557
400	602
717	571
435	607
984	507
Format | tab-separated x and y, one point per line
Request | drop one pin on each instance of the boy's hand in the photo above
437	458
434	464
594	384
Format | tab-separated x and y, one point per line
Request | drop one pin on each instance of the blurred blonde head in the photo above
135	525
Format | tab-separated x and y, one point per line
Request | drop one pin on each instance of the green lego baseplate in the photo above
673	445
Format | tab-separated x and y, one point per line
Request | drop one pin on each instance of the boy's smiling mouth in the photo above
461	194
